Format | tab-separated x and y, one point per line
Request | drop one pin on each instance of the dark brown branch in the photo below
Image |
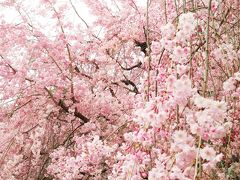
31	129
65	108
14	70
129	82
85	75
138	65
142	45
225	17
81	116
112	92
70	134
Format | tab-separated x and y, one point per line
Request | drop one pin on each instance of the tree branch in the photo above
65	108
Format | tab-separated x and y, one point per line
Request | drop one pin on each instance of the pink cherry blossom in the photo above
208	153
145	90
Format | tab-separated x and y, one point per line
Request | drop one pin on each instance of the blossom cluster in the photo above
143	92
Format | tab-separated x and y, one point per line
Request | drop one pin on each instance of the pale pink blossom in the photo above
208	153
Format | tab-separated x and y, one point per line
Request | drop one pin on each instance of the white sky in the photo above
12	16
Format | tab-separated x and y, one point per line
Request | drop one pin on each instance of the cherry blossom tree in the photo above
143	92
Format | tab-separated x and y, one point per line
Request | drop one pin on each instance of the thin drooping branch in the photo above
207	52
165	10
198	160
75	10
19	107
138	65
7	149
157	72
148	50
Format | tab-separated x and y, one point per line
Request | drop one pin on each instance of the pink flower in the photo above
180	136
208	153
181	69
180	54
157	174
229	85
237	76
168	30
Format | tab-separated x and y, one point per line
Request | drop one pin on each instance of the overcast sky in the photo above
12	16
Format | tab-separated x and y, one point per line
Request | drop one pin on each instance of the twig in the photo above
148	51
74	8
207	51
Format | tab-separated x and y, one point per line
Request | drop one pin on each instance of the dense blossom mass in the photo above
143	92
